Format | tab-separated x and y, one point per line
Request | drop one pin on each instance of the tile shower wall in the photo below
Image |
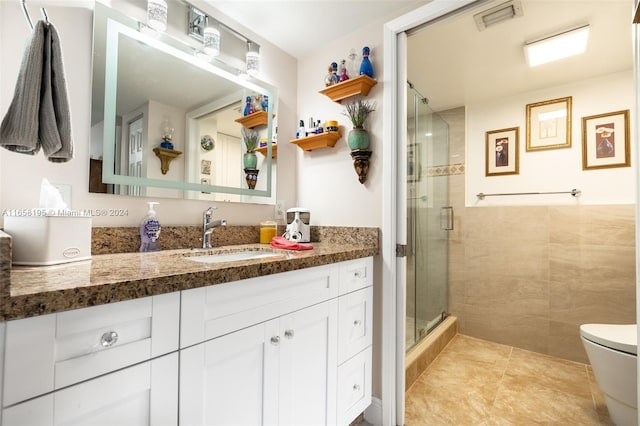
528	276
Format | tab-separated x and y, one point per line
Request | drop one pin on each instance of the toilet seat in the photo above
621	337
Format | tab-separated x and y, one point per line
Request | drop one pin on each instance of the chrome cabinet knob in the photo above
109	339
356	387
275	340
288	334
357	323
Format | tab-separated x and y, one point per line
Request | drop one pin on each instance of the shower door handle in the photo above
446	218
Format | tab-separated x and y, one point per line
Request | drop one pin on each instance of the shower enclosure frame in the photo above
429	218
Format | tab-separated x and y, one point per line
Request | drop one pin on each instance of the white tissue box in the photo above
42	239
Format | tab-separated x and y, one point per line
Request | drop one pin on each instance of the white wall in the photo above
21	175
556	169
328	184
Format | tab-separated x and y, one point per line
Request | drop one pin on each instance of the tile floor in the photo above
476	382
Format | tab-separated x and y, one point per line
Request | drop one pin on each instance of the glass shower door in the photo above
429	217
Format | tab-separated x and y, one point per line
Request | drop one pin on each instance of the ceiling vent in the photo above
497	14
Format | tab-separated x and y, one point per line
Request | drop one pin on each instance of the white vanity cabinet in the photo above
283	349
65	368
276	350
277	372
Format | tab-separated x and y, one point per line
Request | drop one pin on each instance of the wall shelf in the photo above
166	156
321	140
274	150
359	85
258	118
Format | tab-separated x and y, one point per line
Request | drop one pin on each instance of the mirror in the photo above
167	123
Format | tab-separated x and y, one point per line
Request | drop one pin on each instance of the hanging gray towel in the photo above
55	117
19	128
39	114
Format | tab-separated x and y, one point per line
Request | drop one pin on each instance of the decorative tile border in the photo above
446	170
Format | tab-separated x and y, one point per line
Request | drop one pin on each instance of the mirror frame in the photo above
115	26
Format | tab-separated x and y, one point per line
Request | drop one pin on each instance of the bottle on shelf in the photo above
365	66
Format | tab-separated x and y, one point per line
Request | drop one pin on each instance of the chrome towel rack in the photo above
43	11
573	192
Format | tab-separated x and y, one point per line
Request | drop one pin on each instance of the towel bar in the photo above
574	192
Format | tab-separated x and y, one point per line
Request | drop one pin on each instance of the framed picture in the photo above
549	124
502	152
605	140
414	166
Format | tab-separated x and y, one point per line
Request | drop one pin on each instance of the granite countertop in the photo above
107	278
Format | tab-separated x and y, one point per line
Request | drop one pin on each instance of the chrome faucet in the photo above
209	225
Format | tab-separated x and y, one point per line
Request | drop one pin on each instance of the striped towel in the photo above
39	115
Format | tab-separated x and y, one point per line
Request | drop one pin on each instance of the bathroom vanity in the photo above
282	340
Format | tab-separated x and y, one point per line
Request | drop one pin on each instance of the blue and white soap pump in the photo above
150	230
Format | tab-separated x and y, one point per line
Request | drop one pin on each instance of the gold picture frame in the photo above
549	124
502	152
605	140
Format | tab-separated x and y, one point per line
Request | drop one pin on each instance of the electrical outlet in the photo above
279	210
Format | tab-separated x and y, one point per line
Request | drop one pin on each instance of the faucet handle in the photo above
208	212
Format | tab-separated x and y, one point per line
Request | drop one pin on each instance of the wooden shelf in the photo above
166	156
321	140
258	118
359	85
274	150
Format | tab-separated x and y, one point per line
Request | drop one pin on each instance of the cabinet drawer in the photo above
355	323
54	351
356	274
145	394
213	311
354	387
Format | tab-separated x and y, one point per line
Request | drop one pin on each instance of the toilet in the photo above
612	350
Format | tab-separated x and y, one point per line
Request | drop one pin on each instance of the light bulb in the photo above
211	41
157	14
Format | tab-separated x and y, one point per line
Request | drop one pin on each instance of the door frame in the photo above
394	206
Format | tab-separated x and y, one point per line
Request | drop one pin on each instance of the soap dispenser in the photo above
150	230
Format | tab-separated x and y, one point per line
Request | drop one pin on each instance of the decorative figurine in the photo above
365	67
332	75
248	108
343	71
257	103
265	103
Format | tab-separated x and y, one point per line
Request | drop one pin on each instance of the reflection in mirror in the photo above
164	122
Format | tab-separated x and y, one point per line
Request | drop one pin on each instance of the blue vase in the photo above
365	67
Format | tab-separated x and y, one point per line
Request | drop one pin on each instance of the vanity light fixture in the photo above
208	30
253	58
211	37
557	46
157	14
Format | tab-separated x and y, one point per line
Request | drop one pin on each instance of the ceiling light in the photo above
497	14
157	14
253	58
561	45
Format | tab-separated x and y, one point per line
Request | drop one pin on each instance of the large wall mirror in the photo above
146	87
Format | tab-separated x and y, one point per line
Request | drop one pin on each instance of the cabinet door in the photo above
145	394
308	365
231	380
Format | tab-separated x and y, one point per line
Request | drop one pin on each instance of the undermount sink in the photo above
235	256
